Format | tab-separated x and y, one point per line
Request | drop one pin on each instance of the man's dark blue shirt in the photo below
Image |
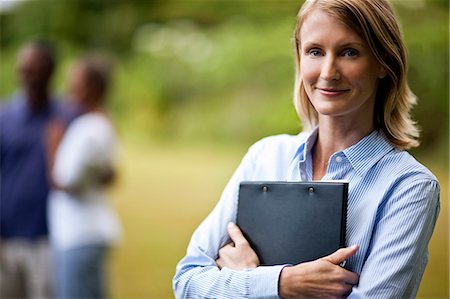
24	183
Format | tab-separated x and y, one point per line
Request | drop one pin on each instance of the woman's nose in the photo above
329	71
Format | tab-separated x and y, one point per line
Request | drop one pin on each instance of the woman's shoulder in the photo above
90	129
281	140
93	122
276	143
404	165
92	117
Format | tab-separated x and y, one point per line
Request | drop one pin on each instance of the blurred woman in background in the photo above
82	222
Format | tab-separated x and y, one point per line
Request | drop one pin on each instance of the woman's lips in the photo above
331	92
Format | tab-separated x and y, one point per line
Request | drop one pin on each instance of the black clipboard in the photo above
293	222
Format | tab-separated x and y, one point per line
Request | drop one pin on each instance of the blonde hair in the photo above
375	22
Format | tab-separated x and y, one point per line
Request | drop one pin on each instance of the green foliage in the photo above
427	38
213	70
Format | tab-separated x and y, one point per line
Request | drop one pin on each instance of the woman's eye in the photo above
314	52
350	53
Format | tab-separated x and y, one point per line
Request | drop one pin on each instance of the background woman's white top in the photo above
84	216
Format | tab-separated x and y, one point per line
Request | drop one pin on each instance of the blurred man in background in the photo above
24	249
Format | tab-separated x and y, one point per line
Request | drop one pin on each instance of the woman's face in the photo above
78	89
339	72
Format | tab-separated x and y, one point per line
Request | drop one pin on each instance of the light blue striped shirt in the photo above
393	204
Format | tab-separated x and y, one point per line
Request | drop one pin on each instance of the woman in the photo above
82	224
354	102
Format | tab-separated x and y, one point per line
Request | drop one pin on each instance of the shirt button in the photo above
339	159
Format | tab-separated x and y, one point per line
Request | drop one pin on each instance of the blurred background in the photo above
196	83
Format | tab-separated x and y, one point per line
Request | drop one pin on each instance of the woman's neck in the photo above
90	108
334	137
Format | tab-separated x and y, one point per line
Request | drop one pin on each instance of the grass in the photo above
164	193
166	190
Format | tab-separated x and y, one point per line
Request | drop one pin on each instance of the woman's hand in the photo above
322	278
237	255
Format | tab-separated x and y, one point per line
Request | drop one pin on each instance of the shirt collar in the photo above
368	151
306	142
26	110
362	155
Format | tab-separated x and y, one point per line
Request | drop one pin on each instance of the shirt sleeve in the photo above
398	251
197	275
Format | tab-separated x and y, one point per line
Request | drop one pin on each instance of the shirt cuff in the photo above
264	281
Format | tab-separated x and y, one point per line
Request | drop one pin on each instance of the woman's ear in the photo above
382	72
